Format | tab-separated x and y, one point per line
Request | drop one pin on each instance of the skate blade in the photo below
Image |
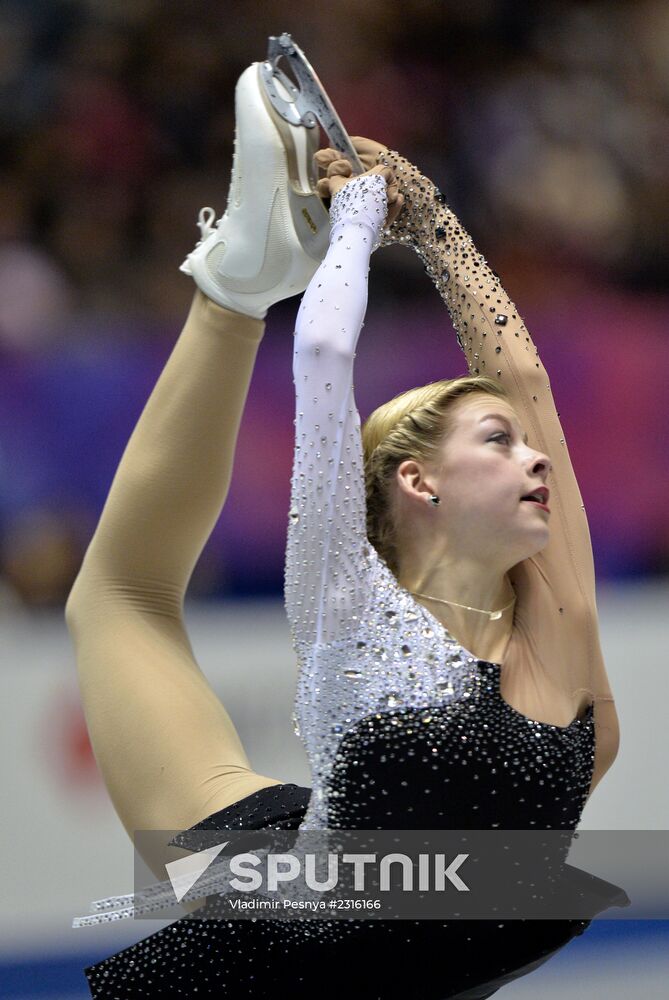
310	103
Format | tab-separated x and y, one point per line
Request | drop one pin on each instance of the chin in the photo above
534	544
541	542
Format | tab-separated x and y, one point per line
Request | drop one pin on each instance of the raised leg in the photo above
167	748
165	744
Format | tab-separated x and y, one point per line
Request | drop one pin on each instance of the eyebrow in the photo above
500	416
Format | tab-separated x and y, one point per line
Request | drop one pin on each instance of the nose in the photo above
541	465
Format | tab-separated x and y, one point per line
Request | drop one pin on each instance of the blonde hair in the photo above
412	425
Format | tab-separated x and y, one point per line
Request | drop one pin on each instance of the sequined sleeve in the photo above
556	606
328	559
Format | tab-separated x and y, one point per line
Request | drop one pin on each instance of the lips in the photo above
539	495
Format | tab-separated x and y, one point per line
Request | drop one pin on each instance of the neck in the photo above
462	581
473	585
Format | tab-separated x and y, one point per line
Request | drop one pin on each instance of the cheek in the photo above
477	486
484	485
487	470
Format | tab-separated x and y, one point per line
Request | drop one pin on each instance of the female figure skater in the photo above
439	587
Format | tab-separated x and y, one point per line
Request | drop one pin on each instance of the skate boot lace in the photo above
205	221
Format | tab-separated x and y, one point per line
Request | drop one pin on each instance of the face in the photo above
483	469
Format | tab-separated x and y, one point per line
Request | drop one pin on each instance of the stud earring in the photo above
434	500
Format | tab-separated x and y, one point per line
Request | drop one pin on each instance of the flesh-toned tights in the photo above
167	749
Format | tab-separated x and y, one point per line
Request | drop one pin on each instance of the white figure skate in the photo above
275	229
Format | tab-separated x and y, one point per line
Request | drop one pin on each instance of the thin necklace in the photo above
492	615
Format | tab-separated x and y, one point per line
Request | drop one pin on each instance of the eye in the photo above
499	435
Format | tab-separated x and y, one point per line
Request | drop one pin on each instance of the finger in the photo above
323	187
364	145
339	168
367	154
359	144
323	157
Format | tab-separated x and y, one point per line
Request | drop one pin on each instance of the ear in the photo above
411	480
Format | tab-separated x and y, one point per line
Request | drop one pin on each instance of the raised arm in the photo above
329	561
496	343
556	606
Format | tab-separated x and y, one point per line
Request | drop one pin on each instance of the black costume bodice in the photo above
472	764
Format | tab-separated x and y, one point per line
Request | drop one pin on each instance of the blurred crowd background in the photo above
545	125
